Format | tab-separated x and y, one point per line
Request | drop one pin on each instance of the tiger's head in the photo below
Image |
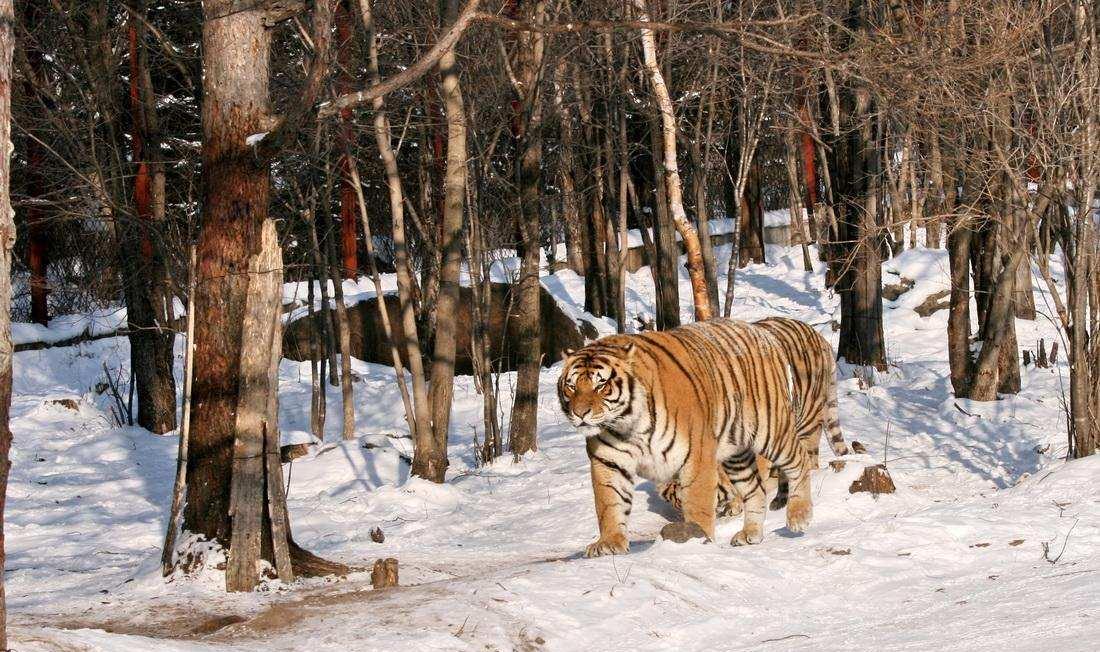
596	386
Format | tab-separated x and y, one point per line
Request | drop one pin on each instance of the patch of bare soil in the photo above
171	622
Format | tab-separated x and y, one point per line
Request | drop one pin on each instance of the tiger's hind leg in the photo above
741	469
794	464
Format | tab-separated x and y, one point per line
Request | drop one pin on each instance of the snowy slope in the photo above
489	560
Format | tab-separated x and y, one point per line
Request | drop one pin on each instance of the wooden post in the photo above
258	389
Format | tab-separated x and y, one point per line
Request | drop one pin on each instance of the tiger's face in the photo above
595	387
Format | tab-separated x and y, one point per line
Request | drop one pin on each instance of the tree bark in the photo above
750	229
666	267
343	330
345	64
431	462
148	301
687	232
855	170
522	432
234	495
235	200
419	417
571	219
958	318
7	241
38	233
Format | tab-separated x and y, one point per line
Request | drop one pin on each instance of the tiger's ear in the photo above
565	353
627	350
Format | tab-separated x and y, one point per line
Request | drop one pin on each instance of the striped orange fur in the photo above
813	369
687	404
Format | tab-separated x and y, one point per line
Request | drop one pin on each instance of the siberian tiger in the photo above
680	404
813	369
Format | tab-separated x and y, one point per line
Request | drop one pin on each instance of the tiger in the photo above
687	404
813	368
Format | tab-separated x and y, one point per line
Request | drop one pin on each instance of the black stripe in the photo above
614	467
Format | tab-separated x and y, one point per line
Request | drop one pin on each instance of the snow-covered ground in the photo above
991	541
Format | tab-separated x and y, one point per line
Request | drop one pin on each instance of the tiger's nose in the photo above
582	415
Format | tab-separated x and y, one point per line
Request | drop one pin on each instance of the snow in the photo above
720	226
67	327
991	541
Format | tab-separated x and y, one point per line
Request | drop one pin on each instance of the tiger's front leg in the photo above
613	489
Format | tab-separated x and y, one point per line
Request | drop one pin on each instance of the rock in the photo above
858	448
875	480
291	452
892	291
837	465
934	303
682	532
376	535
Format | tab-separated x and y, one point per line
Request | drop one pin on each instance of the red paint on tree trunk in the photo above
345	81
143	198
809	168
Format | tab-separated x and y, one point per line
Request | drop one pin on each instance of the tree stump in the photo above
384	574
875	480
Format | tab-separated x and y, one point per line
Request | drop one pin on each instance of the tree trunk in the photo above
855	170
799	233
148	301
235	202
571	219
702	216
997	333
809	175
419	417
345	81
958	318
343	330
258	527
234	495
750	229
666	267
38	234
431	462
7	241
524	422
674	188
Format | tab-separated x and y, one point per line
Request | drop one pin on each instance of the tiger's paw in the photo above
615	544
747	538
730	509
799	514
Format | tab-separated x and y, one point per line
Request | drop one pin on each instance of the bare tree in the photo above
7	240
235	487
430	460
